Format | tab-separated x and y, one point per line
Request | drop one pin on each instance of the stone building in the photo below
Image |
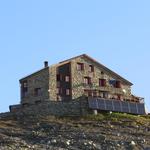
73	78
76	86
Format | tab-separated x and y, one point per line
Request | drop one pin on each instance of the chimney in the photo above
45	64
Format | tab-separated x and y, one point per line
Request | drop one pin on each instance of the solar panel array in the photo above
117	106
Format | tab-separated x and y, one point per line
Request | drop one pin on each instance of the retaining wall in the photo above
59	108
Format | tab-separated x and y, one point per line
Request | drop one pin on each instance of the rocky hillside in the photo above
103	132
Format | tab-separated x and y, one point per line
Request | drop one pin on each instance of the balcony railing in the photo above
117	106
124	98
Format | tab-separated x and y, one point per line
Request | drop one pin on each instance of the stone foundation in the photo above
57	108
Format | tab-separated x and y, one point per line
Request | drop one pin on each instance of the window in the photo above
103	94
87	80
37	91
80	66
59	77
59	91
118	84
25	84
24	92
102	82
67	78
67	91
91	68
24	88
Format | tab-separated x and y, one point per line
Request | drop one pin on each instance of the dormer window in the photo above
80	66
91	68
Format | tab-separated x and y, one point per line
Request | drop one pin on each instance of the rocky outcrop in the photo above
103	132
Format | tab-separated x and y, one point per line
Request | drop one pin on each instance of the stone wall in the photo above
57	108
78	79
37	80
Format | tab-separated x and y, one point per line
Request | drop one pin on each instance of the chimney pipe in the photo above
45	64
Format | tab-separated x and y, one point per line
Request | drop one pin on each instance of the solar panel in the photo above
101	104
92	103
116	105
141	108
125	107
109	105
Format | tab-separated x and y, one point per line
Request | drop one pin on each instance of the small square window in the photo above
80	66
67	91
67	78
37	91
102	82
24	84
87	80
59	91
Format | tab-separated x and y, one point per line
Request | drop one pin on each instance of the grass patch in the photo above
117	117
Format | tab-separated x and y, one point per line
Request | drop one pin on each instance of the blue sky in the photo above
116	33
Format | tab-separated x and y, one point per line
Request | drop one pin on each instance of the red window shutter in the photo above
82	66
102	82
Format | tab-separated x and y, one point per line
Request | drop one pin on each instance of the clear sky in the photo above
114	32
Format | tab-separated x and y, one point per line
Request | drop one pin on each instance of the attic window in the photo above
80	66
91	68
